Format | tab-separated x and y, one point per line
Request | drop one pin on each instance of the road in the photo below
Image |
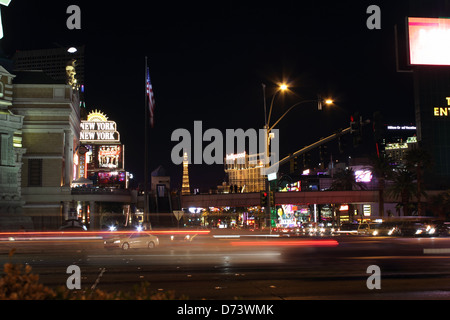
250	268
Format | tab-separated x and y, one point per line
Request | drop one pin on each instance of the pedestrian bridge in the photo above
297	198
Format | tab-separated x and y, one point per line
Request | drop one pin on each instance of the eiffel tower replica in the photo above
185	188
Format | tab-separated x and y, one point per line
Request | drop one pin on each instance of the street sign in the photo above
178	214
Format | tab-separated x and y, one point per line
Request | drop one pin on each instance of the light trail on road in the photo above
295	243
86	235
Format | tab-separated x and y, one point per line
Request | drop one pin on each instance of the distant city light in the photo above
401	127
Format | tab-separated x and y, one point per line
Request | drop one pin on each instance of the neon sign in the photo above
442	112
97	128
232	157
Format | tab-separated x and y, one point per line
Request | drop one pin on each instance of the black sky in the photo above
207	61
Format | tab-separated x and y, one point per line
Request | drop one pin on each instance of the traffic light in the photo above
272	199
355	123
263	199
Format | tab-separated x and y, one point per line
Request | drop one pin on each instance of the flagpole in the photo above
146	119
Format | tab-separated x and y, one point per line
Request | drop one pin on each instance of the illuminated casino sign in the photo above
110	156
98	129
429	41
232	157
442	111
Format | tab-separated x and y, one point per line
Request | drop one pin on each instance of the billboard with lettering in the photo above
429	41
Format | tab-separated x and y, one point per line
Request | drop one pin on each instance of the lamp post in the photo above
267	208
268	129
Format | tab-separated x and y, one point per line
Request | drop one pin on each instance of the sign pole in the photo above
146	214
178	214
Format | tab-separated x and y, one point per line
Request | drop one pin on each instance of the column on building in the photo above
68	156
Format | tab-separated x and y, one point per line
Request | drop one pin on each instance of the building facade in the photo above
432	106
244	173
50	134
11	153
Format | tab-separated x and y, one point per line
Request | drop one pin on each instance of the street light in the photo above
282	87
72	50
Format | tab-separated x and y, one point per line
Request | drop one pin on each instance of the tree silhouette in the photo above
403	187
417	161
382	170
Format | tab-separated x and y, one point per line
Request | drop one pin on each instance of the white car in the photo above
133	241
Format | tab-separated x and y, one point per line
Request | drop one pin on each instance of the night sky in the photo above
208	60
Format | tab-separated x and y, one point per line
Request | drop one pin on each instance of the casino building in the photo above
56	164
51	126
244	173
11	154
70	167
429	60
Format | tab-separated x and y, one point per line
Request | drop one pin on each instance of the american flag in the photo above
151	100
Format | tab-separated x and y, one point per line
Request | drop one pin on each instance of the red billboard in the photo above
429	41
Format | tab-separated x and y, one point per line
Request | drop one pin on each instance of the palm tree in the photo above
383	171
418	160
441	204
403	187
344	180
